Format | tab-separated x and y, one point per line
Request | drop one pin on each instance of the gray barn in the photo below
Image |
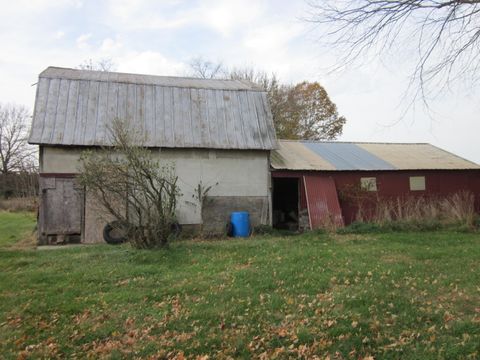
214	131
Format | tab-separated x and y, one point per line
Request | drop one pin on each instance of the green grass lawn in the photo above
395	295
15	227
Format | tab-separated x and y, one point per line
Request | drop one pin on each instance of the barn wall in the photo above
243	183
393	184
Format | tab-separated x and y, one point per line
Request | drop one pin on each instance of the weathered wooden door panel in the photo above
62	206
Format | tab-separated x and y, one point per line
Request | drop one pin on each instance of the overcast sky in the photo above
161	37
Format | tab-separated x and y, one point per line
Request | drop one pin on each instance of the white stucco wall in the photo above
238	172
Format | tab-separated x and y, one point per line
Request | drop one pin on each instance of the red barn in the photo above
319	182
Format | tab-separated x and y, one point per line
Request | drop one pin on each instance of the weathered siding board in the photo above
68	131
61	112
81	117
149	114
92	113
122	101
168	116
39	109
51	110
211	115
178	124
101	118
75	107
159	117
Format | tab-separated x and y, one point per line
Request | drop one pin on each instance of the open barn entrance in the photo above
285	203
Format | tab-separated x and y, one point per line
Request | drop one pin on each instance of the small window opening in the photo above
417	183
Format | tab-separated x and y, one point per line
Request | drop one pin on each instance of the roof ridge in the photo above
109	76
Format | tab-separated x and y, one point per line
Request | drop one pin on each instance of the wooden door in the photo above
61	210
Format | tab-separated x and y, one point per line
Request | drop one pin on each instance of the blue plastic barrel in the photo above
240	223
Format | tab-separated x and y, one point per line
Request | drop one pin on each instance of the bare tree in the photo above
15	153
445	34
132	187
102	64
206	69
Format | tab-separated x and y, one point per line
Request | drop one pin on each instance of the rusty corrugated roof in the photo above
74	107
324	155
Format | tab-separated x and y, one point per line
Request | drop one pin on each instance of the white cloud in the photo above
150	62
82	41
221	16
59	35
111	46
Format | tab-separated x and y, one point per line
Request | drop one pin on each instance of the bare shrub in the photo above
457	208
460	206
137	191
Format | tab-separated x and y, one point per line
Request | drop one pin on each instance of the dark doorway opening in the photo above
285	203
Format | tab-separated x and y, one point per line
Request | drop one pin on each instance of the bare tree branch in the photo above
102	64
445	33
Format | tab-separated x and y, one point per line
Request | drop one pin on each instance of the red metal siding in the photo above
322	201
394	184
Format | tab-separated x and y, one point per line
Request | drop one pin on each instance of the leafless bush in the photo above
133	188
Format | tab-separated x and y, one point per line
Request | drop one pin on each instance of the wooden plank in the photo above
269	120
261	117
81	113
72	207
251	137
92	114
139	122
102	110
51	111
186	114
229	118
130	102
211	117
71	113
179	120
254	122
159	116
60	116
197	115
39	111
220	119
149	115
168	116
122	101
237	119
112	110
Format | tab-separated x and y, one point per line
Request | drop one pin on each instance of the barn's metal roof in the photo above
75	107
319	155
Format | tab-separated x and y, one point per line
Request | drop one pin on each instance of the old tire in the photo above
111	238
